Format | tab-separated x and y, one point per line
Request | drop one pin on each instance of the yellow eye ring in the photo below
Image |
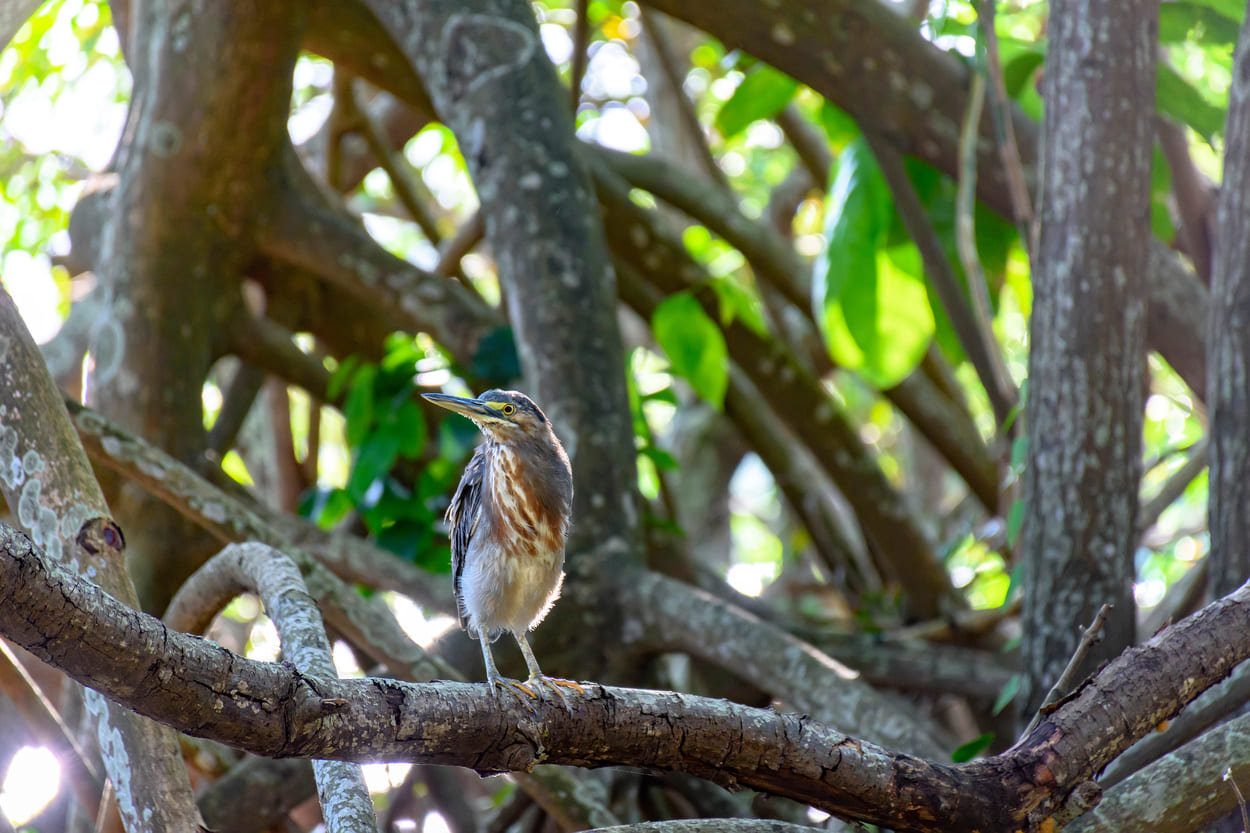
508	410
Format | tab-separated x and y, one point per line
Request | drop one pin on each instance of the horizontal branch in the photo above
271	709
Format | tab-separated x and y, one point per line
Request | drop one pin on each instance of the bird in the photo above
508	522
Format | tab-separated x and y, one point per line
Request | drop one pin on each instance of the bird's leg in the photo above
498	683
539	681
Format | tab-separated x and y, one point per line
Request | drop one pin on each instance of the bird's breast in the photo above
527	521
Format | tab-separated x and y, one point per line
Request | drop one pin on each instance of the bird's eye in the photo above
508	410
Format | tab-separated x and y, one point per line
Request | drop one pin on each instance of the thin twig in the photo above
1064	684
966	244
408	190
652	25
1004	132
581	42
1241	802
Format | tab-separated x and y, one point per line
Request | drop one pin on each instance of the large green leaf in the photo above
871	302
1202	22
694	344
1178	99
761	95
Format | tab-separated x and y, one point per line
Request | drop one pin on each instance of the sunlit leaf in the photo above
694	345
761	95
1201	22
1178	99
359	407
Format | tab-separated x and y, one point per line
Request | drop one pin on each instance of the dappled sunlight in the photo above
32	781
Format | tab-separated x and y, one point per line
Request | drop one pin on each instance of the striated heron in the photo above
508	522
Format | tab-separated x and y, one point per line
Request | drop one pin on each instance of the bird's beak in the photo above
474	409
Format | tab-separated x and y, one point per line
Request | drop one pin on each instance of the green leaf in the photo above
377	454
341	376
972	748
889	317
1178	99
857	218
1015	519
662	459
1203	23
762	93
1018	70
694	344
409	428
326	506
872	304
1009	692
358	410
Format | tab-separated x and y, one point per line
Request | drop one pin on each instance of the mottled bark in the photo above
193	175
1087	362
491	81
46	479
273	709
1228	358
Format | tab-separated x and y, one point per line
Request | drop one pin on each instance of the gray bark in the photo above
1087	363
1228	358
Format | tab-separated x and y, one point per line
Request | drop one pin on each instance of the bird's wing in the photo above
462	520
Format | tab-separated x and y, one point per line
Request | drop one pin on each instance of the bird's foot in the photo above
540	684
520	690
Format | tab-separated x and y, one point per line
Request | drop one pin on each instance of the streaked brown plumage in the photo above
508	521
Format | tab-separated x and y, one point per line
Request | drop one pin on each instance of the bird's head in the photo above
502	415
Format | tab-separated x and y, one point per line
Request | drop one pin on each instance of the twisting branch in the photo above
311	233
654	25
257	568
272	709
229	520
48	482
1195	196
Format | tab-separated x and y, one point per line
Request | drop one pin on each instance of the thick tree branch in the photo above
1087	363
1228	375
273	709
311	233
47	481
